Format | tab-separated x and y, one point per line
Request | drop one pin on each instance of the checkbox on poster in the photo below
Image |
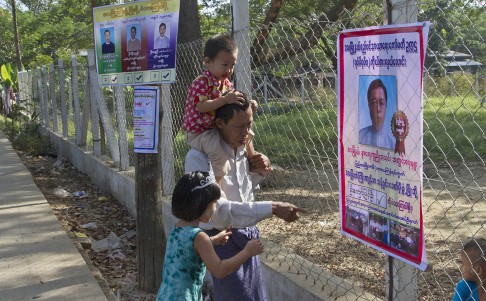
165	75
138	77
155	76
128	78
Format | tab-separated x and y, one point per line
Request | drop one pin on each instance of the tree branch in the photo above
307	41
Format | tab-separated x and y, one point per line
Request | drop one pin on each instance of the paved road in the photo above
37	259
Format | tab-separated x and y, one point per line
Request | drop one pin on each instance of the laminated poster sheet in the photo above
380	123
135	42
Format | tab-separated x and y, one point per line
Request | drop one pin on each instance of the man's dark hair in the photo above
133	28
476	250
377	83
162	24
107	31
218	43
189	204
227	111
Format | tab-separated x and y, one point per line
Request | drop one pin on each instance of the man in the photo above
376	134
236	208
133	44
162	41
108	46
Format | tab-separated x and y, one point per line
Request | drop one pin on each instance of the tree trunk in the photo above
189	58
151	239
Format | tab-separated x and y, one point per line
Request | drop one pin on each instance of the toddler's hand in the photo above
254	247
222	237
234	97
254	105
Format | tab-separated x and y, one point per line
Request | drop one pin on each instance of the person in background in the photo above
473	268
189	250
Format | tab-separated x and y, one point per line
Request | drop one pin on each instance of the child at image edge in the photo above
473	269
207	93
189	250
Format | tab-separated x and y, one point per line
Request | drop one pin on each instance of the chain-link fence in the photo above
293	79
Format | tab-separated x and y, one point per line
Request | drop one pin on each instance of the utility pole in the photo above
16	37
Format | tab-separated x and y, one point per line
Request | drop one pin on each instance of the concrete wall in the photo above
283	282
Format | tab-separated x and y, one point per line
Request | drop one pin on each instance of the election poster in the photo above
146	119
380	123
135	42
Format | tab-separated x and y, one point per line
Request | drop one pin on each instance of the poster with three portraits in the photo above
380	122
135	42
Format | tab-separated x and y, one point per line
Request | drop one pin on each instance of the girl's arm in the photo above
222	268
213	104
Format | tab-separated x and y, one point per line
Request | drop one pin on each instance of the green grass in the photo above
454	129
305	136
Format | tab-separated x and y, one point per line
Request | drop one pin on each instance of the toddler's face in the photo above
222	65
467	267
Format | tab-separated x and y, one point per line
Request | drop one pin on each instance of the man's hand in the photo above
286	211
259	163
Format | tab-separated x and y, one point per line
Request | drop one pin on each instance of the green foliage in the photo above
31	141
454	84
8	77
24	133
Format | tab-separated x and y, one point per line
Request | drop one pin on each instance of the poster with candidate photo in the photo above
135	42
380	122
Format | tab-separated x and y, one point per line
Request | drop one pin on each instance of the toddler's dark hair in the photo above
476	250
218	43
189	204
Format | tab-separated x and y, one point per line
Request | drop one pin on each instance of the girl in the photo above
189	250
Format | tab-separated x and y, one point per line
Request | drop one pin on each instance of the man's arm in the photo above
228	213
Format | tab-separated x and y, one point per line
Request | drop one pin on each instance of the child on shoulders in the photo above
207	93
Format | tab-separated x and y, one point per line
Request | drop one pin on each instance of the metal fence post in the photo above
400	276
167	149
122	127
45	100
86	110
92	82
52	87
62	98
241	23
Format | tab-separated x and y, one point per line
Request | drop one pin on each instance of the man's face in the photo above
107	37
235	132
377	106
133	33
162	31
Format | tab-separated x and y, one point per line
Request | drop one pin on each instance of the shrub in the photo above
31	141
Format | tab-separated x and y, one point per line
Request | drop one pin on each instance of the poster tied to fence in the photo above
380	138
135	42
146	119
